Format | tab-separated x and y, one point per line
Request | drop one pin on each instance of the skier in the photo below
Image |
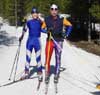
54	25
34	25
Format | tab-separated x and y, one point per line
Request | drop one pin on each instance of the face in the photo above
54	12
34	15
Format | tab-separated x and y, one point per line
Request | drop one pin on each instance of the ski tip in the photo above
98	86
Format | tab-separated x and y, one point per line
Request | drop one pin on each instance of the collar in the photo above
54	18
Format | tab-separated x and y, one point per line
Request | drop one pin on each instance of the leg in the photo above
28	60
37	47
29	48
48	53
38	59
58	58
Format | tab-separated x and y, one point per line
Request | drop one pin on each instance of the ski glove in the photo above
64	35
20	39
50	29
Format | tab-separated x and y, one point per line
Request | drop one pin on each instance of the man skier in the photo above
34	25
54	25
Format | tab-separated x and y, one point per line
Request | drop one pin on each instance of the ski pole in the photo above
14	61
17	59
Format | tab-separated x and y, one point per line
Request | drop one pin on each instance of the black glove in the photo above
50	29
20	39
64	35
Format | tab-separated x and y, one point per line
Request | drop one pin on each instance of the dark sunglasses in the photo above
54	9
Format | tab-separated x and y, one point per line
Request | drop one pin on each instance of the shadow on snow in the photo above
5	39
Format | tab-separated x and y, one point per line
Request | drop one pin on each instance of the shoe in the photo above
40	76
56	78
47	78
25	76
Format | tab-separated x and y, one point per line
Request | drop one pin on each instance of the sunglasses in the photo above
54	9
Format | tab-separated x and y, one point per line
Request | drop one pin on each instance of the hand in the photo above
50	29
64	35
20	39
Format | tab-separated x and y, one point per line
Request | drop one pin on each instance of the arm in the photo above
68	30
43	27
24	30
68	27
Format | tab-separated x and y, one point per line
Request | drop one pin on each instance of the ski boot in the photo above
25	76
47	79
56	78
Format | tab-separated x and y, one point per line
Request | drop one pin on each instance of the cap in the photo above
34	10
54	6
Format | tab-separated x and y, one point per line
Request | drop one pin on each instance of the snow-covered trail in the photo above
82	69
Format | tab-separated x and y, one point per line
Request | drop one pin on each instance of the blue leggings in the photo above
36	44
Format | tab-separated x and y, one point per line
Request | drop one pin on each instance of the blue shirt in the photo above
34	27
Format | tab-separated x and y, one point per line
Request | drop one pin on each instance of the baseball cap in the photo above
34	10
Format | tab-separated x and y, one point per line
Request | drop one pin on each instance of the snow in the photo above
82	69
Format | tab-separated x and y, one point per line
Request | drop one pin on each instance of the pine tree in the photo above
95	10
